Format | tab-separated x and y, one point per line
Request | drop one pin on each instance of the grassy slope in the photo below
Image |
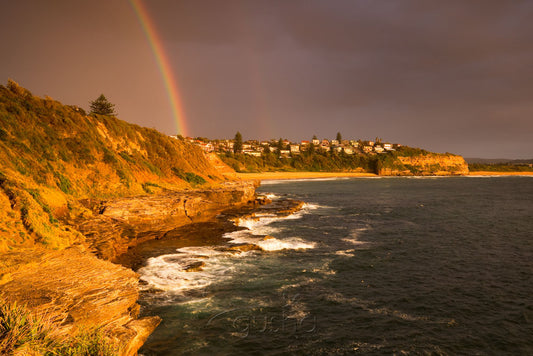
52	156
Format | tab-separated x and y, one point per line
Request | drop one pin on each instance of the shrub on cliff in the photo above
22	332
189	177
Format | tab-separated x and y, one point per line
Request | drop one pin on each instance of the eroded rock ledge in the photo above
123	223
79	286
74	289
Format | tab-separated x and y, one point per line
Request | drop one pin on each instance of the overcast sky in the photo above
453	75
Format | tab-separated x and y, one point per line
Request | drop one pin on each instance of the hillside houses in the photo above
257	148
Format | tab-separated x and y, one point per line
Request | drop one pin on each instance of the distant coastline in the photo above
496	173
318	175
301	175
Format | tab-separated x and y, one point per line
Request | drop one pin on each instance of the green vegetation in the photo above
307	161
59	147
478	167
237	145
315	160
21	332
102	106
49	147
189	177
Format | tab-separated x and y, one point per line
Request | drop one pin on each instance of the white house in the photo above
252	153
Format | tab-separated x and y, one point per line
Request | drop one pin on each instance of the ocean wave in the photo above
272	196
169	272
269	243
197	267
368	306
354	241
349	253
261	225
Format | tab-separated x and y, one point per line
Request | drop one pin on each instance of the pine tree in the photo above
339	137
237	145
102	106
280	145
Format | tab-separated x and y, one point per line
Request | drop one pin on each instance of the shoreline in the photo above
301	175
489	173
84	286
319	175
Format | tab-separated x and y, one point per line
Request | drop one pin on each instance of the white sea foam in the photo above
312	206
349	253
369	307
261	225
269	243
353	238
169	272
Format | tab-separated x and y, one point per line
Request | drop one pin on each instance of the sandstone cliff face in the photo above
121	223
427	165
74	289
53	157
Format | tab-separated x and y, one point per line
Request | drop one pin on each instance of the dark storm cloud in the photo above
446	75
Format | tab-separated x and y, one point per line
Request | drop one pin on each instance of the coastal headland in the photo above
76	192
79	287
86	198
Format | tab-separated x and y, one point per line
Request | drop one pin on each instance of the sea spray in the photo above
171	273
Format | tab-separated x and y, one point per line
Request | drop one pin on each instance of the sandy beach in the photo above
302	175
316	175
489	173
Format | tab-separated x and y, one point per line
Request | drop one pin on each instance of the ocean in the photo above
369	266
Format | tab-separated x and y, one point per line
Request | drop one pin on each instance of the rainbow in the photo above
164	66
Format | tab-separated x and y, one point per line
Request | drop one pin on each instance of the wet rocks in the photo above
245	247
194	266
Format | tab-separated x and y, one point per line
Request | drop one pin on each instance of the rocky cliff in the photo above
78	190
75	290
121	223
52	156
425	164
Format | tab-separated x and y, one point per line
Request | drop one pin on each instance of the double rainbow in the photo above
164	66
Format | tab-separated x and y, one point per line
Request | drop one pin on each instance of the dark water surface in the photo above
371	266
